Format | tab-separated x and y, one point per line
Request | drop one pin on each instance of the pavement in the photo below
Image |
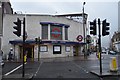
106	73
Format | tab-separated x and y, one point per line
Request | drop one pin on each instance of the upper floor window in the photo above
44	31
66	33
56	30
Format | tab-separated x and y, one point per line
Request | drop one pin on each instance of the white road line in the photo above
95	66
13	70
38	69
81	68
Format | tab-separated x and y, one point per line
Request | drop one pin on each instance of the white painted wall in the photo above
119	16
33	29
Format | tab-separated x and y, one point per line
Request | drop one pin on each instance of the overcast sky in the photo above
104	9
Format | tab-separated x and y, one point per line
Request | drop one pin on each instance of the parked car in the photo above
112	52
104	52
2	63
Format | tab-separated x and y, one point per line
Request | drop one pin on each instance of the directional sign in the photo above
79	38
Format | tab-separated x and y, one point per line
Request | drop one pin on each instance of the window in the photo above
43	48
66	33
44	31
56	32
67	49
57	49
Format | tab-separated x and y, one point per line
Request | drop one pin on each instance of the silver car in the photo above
1	61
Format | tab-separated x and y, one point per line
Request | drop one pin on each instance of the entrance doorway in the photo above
29	51
56	49
75	50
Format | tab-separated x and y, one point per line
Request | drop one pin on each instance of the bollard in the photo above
25	58
98	55
113	64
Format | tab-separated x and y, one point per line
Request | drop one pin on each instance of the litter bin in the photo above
113	64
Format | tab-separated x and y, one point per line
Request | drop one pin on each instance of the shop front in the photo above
48	49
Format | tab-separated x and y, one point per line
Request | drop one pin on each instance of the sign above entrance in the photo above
79	38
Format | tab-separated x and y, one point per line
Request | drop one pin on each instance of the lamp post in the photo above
84	29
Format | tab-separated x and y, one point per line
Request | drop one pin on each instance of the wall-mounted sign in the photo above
79	38
56	32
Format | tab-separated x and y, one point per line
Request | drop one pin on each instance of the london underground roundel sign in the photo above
79	38
56	32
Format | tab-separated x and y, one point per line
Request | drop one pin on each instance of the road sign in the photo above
79	38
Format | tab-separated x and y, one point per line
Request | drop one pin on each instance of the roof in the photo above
72	15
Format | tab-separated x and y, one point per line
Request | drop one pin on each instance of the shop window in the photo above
57	49
67	49
43	48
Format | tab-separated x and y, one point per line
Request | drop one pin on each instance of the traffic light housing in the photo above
88	39
17	27
105	28
93	27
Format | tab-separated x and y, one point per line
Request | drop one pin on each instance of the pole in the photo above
100	45
23	70
84	30
14	52
38	48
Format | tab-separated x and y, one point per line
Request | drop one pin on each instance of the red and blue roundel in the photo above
79	38
56	32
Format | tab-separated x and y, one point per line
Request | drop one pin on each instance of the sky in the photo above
103	9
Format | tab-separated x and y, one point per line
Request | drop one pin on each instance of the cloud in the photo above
64	0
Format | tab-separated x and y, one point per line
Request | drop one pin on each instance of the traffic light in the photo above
105	28
17	27
93	27
88	39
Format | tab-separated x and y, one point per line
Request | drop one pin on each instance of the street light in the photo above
84	28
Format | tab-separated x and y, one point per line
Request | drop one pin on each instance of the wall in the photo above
119	16
33	29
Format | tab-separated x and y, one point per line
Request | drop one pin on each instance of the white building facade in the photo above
57	34
116	42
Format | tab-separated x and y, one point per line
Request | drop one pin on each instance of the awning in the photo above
15	42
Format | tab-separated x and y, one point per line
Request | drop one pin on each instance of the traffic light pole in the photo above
100	46
84	32
38	48
105	32
23	70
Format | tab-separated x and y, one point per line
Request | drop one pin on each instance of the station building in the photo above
57	36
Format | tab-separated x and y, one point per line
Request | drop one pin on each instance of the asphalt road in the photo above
62	68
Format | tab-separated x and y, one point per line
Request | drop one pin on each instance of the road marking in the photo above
14	70
38	69
95	66
81	68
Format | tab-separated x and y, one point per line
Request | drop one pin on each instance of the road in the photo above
63	68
